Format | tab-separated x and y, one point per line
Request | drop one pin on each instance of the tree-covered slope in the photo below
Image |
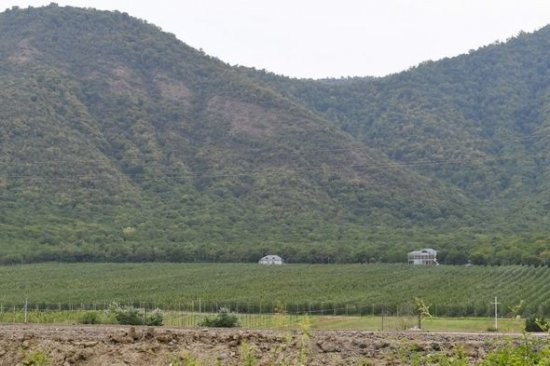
119	142
479	122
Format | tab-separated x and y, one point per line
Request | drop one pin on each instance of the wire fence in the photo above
76	313
253	316
477	309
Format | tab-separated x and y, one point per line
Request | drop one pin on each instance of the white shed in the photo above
271	259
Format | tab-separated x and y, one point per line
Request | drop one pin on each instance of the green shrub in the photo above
132	316
534	324
155	318
90	317
529	352
36	358
128	316
224	319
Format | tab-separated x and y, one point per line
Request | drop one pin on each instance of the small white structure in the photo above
271	259
426	256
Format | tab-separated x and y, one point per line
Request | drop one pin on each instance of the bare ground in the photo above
120	345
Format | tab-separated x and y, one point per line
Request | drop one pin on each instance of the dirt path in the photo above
140	346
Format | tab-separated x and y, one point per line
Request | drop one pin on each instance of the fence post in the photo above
260	319
193	323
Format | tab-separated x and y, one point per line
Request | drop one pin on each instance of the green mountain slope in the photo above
119	142
479	122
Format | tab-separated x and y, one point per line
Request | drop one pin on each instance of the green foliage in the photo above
155	318
457	357
224	319
36	358
248	358
90	317
529	352
422	310
535	323
131	316
294	288
128	316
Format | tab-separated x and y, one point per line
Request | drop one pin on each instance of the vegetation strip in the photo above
297	289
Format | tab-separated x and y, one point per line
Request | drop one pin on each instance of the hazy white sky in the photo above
322	38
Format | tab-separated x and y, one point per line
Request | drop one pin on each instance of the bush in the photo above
155	318
89	317
128	316
534	324
132	316
224	319
529	352
36	358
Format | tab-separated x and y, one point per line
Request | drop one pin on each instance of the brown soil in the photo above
119	345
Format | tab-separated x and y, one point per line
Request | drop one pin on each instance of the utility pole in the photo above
496	303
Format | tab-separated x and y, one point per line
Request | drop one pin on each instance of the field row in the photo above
315	289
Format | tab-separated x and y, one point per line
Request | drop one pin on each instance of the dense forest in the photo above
118	142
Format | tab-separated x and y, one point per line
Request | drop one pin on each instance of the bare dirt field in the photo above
125	345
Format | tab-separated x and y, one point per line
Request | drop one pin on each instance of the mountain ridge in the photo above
121	143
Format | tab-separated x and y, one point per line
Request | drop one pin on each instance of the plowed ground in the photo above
121	345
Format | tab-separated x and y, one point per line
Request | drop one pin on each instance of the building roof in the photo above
271	258
426	251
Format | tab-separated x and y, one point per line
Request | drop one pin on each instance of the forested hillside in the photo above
118	142
486	111
478	122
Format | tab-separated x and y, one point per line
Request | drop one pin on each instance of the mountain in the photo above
479	122
118	142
